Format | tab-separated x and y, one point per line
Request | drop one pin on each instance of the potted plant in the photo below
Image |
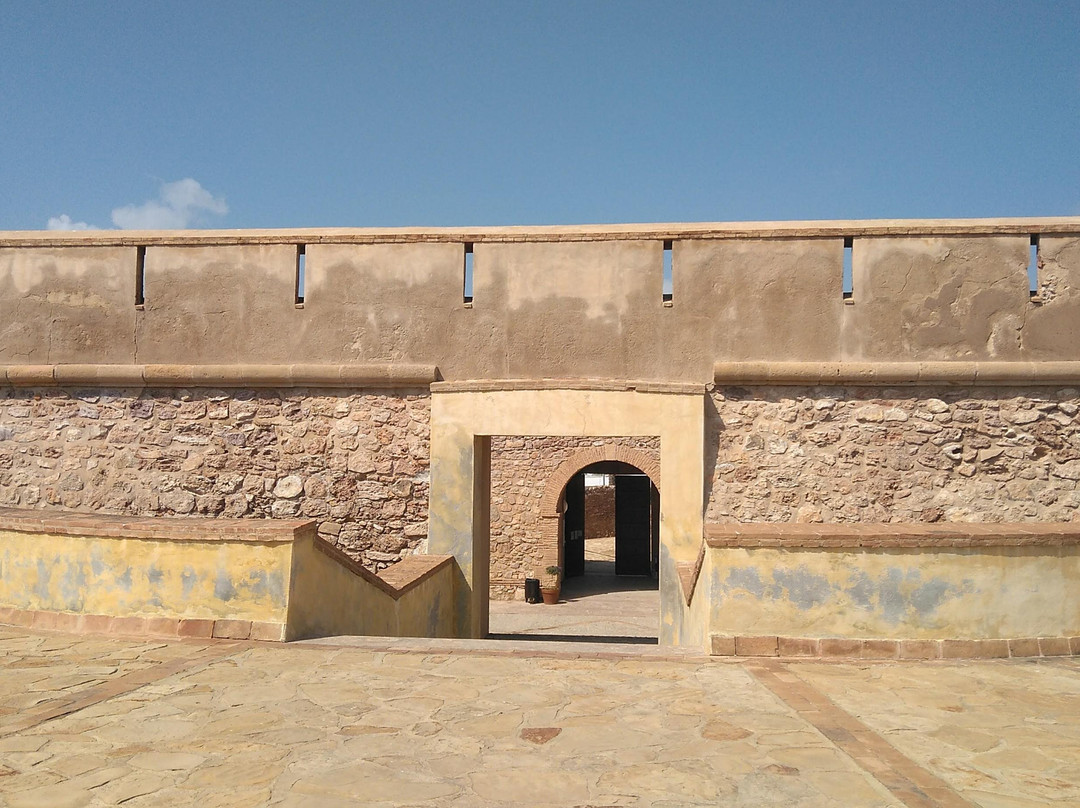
549	590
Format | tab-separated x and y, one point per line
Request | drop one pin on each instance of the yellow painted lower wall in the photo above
328	599
996	592
241	580
287	582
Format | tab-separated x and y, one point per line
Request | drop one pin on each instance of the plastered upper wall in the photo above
583	302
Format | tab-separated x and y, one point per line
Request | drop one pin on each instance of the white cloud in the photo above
63	222
179	205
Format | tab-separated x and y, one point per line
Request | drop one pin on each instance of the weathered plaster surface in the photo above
916	594
65	304
938	298
789	454
356	461
219	305
328	599
88	575
546	306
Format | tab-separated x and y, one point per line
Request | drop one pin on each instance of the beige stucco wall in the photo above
67	304
754	299
548	305
219	305
896	594
938	298
327	599
239	580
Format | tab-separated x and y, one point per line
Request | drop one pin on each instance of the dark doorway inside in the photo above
611	525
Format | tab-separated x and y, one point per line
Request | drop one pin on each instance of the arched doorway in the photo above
611	522
635	519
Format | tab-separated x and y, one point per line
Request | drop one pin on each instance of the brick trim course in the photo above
550	502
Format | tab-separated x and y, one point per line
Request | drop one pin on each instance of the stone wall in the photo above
356	461
786	454
520	470
600	512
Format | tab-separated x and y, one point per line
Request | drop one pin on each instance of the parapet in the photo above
654	302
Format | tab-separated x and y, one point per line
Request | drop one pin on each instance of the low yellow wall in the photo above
263	579
240	580
930	593
328	598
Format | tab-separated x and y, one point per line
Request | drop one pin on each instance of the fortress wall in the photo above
829	454
217	305
938	298
755	300
547	303
379	302
1055	322
65	304
355	460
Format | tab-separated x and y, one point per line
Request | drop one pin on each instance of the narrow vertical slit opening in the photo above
848	276
669	288
467	275
140	276
1033	268
300	274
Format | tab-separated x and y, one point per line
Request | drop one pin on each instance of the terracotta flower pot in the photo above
550	596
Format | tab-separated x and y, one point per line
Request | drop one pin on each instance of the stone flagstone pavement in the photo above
96	721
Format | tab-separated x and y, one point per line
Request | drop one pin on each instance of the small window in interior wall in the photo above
300	273
467	273
140	276
848	277
669	289
1033	268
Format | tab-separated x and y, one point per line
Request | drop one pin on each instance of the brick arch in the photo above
553	491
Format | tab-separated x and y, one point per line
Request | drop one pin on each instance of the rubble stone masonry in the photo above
786	454
520	470
356	461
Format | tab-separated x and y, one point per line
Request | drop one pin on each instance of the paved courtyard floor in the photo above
597	604
95	721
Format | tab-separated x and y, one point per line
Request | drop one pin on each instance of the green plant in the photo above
554	570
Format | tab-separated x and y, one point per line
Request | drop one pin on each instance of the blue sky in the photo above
427	114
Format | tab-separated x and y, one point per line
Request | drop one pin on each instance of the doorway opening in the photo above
610	528
598	520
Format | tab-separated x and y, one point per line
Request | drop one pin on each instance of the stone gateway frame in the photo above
462	423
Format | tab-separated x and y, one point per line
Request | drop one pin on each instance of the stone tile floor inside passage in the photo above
599	605
96	721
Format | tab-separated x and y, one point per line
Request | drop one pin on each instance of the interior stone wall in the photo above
520	470
600	512
356	461
785	454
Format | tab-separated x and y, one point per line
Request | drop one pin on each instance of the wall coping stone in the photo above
960	535
907	373
1066	225
167	528
395	580
245	375
501	385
